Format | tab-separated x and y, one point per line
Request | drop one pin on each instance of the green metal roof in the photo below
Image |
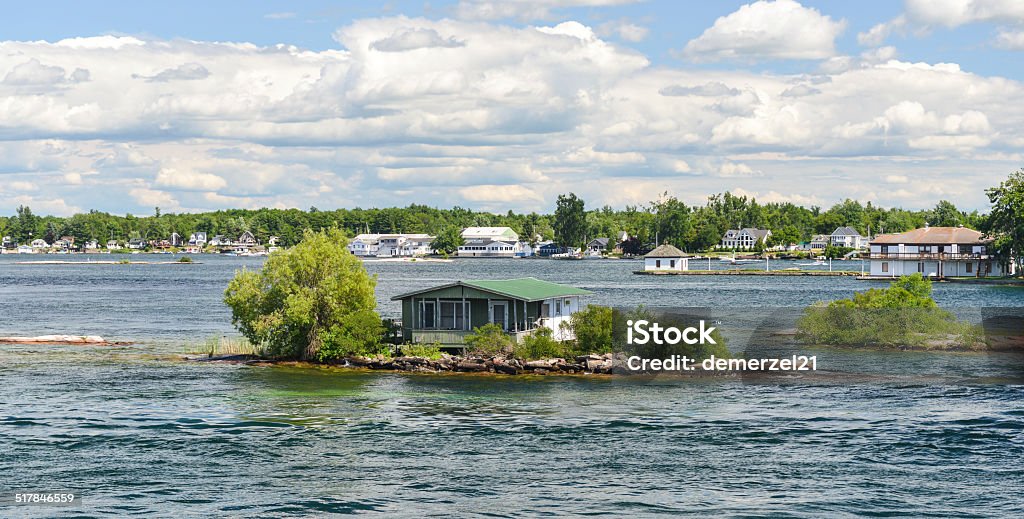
526	289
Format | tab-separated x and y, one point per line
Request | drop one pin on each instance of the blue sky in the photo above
123	106
310	24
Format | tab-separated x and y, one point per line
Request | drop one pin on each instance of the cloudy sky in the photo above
503	105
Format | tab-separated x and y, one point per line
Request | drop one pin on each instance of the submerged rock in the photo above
56	339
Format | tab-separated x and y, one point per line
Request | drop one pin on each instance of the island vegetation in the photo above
904	315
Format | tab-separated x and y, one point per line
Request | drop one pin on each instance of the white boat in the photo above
817	263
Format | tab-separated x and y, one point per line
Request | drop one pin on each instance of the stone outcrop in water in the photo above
57	339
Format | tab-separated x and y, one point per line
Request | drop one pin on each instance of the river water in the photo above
133	430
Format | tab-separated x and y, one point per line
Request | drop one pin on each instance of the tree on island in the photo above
1005	224
447	241
570	221
314	301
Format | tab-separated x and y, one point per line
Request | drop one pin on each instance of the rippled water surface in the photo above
135	431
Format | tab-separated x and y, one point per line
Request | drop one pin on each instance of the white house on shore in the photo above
490	242
391	245
847	237
666	258
745	238
819	242
934	252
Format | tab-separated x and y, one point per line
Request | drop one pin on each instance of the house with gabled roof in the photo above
197	239
449	313
745	238
847	237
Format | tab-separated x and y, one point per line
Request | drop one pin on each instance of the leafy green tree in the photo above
541	345
570	220
945	214
593	329
314	301
25	229
1005	224
673	221
447	241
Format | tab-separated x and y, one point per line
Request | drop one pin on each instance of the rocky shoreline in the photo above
585	364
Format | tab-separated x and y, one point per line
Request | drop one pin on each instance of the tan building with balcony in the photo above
936	252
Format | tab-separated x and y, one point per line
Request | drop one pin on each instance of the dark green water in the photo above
137	433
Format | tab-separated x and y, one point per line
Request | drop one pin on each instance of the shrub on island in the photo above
902	315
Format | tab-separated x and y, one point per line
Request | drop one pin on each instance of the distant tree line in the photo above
667	219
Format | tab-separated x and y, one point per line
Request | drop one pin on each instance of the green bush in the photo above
359	333
185	259
904	314
592	327
488	340
430	351
540	345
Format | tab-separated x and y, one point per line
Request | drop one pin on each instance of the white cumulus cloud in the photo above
780	29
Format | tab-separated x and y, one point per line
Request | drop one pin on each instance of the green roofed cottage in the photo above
448	313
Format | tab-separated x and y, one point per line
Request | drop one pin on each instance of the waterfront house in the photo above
197	239
220	241
447	314
391	245
64	244
934	252
175	240
666	258
40	244
364	245
273	241
597	246
113	245
26	249
246	240
92	245
490	242
847	237
7	243
136	243
819	242
490	249
546	250
745	238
